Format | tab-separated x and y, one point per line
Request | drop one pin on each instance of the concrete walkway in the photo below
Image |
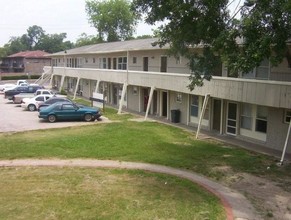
236	205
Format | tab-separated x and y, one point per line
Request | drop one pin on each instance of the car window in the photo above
37	92
46	92
57	107
39	99
68	107
47	97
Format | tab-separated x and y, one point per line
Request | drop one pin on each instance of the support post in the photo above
149	102
62	83
285	145
51	81
77	84
202	113
122	97
97	86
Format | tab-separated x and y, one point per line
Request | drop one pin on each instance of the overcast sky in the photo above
54	16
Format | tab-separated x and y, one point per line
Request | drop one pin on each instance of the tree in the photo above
264	29
15	45
53	43
34	34
113	19
84	39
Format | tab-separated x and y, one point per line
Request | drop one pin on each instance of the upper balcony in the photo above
260	92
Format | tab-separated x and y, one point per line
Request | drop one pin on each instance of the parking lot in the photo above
13	118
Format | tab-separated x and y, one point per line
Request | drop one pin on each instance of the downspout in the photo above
124	85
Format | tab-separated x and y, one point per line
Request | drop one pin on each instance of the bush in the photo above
63	92
20	77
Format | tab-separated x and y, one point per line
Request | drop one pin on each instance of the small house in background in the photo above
29	62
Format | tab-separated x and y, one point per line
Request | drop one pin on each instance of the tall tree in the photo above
264	28
85	39
53	43
34	34
113	19
16	44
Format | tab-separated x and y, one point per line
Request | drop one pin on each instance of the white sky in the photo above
54	16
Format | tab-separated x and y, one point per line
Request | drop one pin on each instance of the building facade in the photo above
30	62
139	76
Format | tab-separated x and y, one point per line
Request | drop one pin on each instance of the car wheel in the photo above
88	117
52	118
31	107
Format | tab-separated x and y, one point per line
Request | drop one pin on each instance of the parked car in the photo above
54	100
9	94
69	111
32	103
17	99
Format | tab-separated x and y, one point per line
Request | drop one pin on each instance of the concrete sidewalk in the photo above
235	204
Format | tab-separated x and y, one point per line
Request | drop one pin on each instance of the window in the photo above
40	99
287	117
94	60
260	72
122	63
134	60
68	107
134	90
261	119
102	63
194	105
179	97
246	116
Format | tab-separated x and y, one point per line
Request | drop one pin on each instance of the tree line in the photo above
261	31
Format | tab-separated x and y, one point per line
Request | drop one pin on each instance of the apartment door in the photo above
114	63
231	122
146	64
109	63
216	115
145	99
164	64
164	104
115	94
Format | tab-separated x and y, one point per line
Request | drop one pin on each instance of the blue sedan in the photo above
69	111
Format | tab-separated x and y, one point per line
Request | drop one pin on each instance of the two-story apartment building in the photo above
140	76
31	62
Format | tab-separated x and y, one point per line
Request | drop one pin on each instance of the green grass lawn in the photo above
82	193
149	142
124	140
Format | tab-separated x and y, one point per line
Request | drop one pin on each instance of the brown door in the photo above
216	114
164	104
164	64
146	64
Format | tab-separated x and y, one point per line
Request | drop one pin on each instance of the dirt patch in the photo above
268	197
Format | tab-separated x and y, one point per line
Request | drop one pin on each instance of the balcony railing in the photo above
259	92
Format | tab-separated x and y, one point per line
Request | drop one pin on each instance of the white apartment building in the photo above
139	76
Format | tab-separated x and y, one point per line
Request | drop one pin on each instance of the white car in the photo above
32	103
